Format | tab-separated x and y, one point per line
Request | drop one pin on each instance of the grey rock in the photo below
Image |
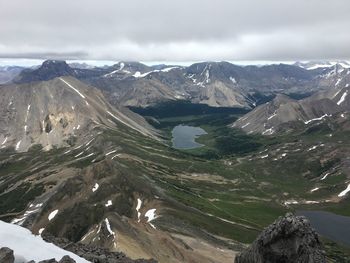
6	255
67	259
52	260
289	239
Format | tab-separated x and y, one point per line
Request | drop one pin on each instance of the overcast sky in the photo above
175	30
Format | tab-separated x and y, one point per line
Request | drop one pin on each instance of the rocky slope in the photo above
290	239
284	113
218	84
57	112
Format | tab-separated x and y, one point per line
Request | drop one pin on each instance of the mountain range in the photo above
77	165
217	84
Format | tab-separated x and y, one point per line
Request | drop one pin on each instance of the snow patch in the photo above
18	144
108	225
151	215
245	125
96	186
41	230
291	202
233	80
139	203
343	193
325	176
69	85
109	153
312	148
268	131
32	209
315	189
338	81
78	154
26	245
4	141
52	214
342	98
109	203
317	119
273	115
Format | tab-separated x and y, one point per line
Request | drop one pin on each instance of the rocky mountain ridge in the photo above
57	113
218	84
284	113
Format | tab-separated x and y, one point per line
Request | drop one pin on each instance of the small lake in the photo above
183	137
332	226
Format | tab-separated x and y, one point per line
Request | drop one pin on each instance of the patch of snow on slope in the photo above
109	153
32	209
109	203
139	203
69	85
41	230
138	74
233	80
52	214
268	131
151	215
28	109
245	125
343	193
26	245
115	156
312	148
108	225
96	186
291	202
342	98
338	81
315	189
18	144
79	154
273	115
5	140
325	176
168	69
317	119
207	76
264	156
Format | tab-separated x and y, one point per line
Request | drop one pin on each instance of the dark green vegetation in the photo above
183	108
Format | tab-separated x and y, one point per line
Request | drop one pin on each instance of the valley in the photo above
109	176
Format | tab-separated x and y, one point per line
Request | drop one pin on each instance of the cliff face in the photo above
289	239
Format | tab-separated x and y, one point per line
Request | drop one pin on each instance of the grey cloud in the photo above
175	30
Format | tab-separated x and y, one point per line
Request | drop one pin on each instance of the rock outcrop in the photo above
289	239
6	255
93	253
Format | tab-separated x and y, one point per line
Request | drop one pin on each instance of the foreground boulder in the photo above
289	239
6	255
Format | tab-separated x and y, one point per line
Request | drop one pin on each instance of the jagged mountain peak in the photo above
48	70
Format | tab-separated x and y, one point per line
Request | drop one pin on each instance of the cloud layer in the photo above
181	30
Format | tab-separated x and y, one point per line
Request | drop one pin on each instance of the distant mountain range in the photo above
284	113
217	84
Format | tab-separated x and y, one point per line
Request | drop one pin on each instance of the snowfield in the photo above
27	246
